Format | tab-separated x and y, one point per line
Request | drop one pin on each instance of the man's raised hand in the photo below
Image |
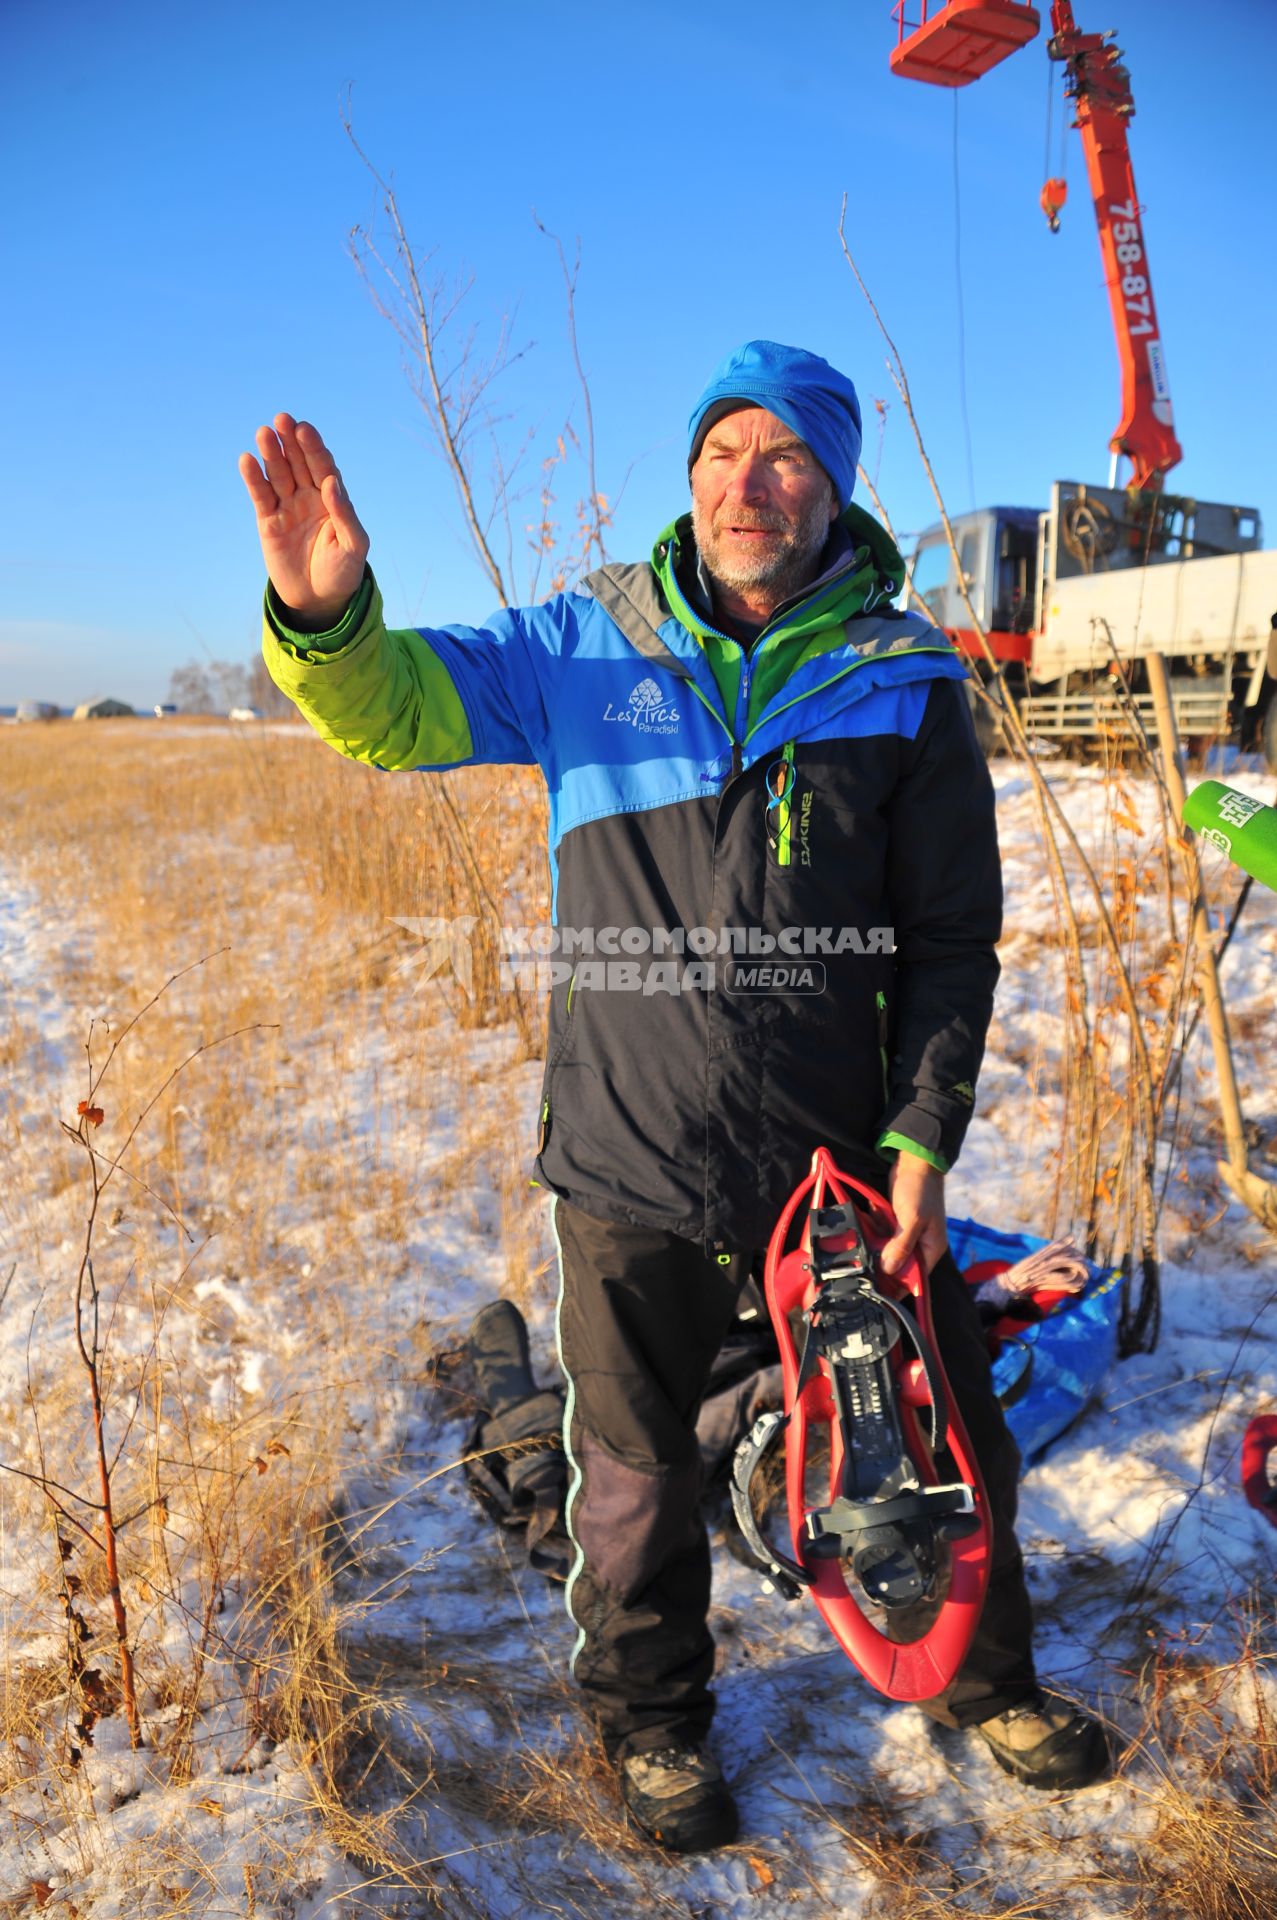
312	542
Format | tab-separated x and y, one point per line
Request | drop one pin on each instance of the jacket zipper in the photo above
742	711
785	810
544	1128
693	622
880	1001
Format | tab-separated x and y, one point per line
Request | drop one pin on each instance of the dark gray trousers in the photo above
642	1314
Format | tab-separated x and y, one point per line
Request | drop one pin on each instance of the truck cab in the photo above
1073	599
998	553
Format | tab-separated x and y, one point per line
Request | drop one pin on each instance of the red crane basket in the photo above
960	40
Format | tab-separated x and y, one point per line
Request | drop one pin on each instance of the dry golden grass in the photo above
153	847
1208	1739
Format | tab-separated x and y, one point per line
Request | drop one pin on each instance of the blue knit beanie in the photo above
801	389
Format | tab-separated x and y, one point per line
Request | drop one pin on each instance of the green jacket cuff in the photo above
305	646
385	698
890	1143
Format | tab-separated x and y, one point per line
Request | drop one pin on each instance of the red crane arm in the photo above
1100	88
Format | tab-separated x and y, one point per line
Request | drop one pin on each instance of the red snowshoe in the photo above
906	1520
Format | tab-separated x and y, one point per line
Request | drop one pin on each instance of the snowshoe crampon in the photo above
906	1522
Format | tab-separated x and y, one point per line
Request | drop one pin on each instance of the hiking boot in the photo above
1047	1743
678	1796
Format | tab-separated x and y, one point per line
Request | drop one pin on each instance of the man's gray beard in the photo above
784	571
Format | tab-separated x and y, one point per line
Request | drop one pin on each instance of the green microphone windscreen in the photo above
1244	829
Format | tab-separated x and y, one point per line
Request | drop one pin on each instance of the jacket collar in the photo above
861	569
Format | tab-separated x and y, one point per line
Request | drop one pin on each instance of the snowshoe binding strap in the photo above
906	1506
784	1575
883	1520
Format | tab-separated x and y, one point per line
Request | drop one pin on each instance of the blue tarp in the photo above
1045	1375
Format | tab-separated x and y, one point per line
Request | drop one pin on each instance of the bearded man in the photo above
748	751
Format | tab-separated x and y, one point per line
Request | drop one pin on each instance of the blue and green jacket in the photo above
785	856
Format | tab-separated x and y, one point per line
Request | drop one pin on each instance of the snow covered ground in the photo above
348	1241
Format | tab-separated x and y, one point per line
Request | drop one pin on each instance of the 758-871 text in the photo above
1130	252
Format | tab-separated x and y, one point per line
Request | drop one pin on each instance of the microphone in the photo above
1242	828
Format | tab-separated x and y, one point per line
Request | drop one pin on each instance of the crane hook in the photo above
1052	198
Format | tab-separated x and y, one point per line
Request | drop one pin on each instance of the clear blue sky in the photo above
180	192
